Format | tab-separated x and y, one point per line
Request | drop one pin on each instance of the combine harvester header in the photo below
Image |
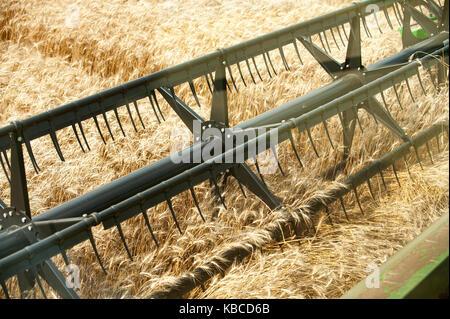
27	242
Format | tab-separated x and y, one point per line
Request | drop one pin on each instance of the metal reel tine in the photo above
94	247
324	122
291	139
334	39
209	84
323	43
270	61
384	102
370	189
74	128
106	120
259	171
153	107
194	93
407	166
30	153
80	126
340	36
157	105
283	58
241	188
267	65
240	73
311	141
6	159
4	169
357	200
122	237
256	68
380	171
345	32
437	143
399	11
98	129
373	115
388	19
127	105
55	141
64	256
36	275
233	169
297	51
366	28
118	121
397	96
344	131
5	289
409	89
395	173
421	83
399	20
147	223
326	40
169	202
172	93
136	107
417	155
432	79
231	76
191	188
274	151
343	208
429	152
250	71
214	180
228	86
377	22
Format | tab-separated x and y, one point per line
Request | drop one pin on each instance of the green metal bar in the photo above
419	270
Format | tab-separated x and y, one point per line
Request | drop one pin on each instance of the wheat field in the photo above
49	58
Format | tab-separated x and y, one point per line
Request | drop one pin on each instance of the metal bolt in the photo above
209	125
84	215
5	215
30	228
20	139
10	214
228	135
224	62
222	130
24	220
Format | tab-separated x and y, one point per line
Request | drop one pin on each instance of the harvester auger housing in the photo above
28	242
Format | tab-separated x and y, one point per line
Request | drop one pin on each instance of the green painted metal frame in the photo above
419	270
